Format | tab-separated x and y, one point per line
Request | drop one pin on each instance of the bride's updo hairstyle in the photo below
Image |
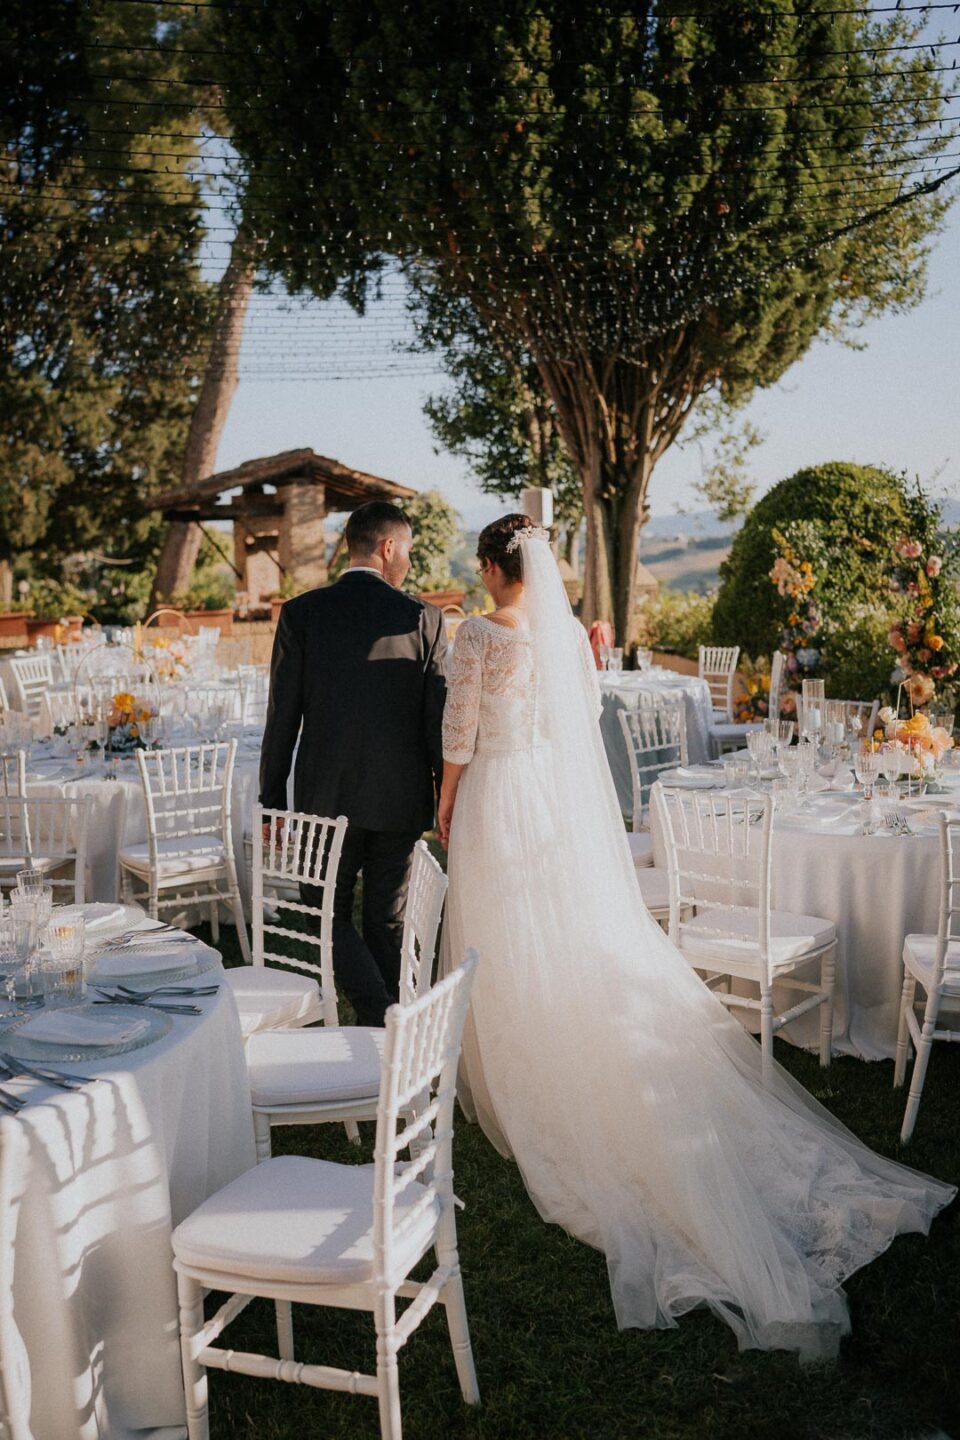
494	544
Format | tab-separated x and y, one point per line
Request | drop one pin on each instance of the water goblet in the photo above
867	768
62	970
604	652
786	729
615	658
11	961
891	759
26	932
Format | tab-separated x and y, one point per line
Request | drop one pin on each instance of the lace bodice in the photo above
492	691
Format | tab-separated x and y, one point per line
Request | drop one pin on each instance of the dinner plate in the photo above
22	1047
196	962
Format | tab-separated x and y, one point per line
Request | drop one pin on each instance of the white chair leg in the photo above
456	1309
903	1030
190	1294
828	983
919	1070
261	1134
388	1376
236	907
214	921
285	1330
766	1038
353	1131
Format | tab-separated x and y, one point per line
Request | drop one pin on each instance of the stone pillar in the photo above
302	548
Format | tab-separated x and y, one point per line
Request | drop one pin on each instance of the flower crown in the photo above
529	532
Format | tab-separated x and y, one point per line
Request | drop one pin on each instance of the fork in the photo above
901	820
13	1104
197	990
115	999
60	1078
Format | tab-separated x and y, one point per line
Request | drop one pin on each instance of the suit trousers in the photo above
367	965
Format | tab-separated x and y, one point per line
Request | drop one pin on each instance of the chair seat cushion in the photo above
296	1219
919	955
655	889
791	938
177	856
641	847
303	1067
268	997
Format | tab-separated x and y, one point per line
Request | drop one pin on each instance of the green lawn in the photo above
550	1361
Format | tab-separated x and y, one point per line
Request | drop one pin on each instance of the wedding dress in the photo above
630	1098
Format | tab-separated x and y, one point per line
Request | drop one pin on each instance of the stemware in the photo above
891	764
11	961
867	768
615	657
604	652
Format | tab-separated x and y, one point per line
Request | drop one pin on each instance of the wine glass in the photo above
867	768
615	658
891	759
11	962
760	746
604	652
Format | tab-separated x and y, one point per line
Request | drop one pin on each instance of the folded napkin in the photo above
100	914
145	961
703	775
68	1027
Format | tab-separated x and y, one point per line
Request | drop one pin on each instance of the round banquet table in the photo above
875	888
118	816
619	691
102	1176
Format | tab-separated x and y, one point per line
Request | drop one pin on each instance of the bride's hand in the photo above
445	815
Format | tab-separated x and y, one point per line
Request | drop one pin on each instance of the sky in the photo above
894	402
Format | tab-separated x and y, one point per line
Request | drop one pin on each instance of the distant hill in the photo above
688	563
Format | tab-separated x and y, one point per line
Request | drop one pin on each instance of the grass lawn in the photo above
550	1361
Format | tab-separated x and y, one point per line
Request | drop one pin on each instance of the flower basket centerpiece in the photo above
131	723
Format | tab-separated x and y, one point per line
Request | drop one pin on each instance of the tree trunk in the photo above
182	543
6	582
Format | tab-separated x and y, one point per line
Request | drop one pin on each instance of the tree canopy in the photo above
103	311
653	205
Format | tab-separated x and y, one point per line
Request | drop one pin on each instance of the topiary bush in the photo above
854	514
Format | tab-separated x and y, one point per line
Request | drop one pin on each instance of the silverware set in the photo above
13	1069
130	939
897	822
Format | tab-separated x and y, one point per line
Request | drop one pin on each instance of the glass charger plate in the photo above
22	1047
198	964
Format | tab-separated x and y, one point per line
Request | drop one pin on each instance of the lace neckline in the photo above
516	632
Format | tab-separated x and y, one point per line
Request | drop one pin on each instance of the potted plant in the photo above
209	603
13	622
50	604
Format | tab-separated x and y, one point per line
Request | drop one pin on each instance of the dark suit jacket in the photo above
360	666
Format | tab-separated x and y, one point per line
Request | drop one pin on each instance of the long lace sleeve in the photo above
590	668
464	685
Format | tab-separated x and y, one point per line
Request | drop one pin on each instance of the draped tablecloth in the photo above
104	1175
620	691
118	817
876	889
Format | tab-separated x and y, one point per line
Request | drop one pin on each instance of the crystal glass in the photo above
786	729
834	722
644	657
31	882
11	960
604	652
760	746
24	917
736	772
891	763
62	967
615	657
943	720
814	704
867	768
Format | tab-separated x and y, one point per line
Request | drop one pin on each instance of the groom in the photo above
357	672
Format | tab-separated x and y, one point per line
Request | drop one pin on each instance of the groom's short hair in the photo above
371	523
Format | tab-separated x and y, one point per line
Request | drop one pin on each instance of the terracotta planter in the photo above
221	620
276	605
440	598
74	624
42	629
13	624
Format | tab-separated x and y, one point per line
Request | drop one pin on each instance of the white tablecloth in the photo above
118	816
876	889
108	1172
620	691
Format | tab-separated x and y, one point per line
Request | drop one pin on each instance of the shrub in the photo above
436	535
847	517
676	620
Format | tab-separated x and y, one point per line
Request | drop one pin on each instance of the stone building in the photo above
278	506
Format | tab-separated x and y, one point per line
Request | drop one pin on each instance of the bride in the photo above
630	1098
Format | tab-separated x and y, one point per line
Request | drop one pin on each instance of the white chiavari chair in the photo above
4	702
307	1077
13	792
718	667
187	858
254	681
304	1231
48	833
281	985
32	678
933	963
718	846
656	740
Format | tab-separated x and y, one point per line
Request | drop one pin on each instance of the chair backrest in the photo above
13	774
254	693
187	791
777	664
415	1112
52	829
717	666
4	702
718	856
32	676
298	850
13	791
425	897
948	929
64	707
655	735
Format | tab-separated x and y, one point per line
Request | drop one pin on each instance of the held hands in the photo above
445	815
